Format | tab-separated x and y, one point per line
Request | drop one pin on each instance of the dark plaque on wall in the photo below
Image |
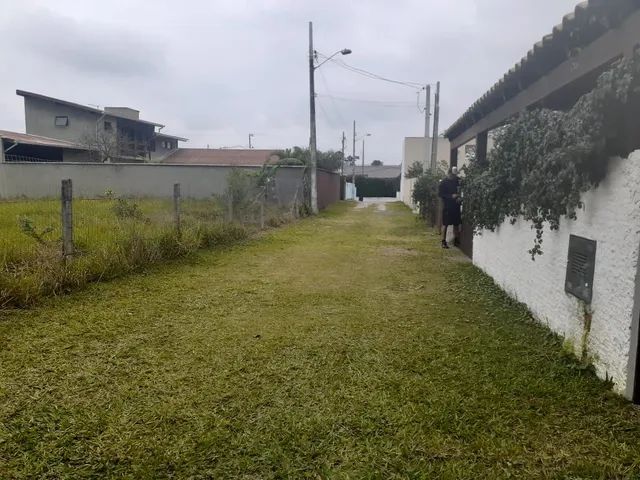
581	267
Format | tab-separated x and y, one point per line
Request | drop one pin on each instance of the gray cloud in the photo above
85	47
216	70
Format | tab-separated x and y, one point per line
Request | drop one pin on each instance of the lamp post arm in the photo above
327	59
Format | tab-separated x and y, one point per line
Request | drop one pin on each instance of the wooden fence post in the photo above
67	218
176	208
264	198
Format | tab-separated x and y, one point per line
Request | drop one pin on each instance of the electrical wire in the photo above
371	75
335	105
387	103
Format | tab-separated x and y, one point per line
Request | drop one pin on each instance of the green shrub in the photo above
127	209
425	194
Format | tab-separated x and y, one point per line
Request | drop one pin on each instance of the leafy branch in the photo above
544	160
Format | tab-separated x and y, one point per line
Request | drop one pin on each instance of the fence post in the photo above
264	198
176	207
67	218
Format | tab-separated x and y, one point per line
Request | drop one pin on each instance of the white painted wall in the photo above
41	180
418	149
612	218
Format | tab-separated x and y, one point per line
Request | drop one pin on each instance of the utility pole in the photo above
427	112
344	139
312	115
354	153
436	118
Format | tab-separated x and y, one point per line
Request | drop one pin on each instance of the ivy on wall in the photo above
544	160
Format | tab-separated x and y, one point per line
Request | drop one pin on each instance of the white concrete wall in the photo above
40	180
612	218
418	149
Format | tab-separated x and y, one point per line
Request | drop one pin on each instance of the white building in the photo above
418	149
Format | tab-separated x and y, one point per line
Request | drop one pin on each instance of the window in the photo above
62	121
108	126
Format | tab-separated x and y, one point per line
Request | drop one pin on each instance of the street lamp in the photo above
313	147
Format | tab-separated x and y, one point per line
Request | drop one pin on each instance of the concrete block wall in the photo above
611	217
90	180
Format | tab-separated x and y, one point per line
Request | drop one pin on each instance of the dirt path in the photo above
346	346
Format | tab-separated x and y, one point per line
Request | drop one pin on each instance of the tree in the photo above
377	163
105	146
415	170
330	160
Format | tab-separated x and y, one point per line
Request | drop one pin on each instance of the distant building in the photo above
22	147
418	150
382	171
221	156
137	140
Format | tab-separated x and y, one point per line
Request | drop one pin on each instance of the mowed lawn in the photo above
344	346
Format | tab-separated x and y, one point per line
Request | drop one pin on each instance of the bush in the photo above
125	209
425	194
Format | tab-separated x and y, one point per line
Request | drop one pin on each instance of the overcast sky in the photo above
216	70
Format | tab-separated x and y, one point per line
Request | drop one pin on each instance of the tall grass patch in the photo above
112	237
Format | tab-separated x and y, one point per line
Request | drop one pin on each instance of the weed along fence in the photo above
55	244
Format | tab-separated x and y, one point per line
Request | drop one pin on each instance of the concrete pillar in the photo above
453	161
2	160
481	147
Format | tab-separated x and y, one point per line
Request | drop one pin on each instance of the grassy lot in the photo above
346	346
112	237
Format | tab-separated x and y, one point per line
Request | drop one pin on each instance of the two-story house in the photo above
109	134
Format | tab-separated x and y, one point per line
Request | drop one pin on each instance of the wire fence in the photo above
48	244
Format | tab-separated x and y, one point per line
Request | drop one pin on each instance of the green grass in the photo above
344	346
107	245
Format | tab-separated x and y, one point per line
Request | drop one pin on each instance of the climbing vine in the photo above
544	160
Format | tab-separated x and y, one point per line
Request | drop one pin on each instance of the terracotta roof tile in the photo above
29	139
206	156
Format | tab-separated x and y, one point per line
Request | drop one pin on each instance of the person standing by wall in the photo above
449	192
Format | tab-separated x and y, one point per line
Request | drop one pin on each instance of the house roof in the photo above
206	156
171	137
86	108
590	20
27	139
384	171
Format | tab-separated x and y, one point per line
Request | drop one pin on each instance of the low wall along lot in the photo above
611	217
90	180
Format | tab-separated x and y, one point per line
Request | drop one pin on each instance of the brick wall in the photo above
328	188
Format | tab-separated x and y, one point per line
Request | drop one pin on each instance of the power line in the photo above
388	103
371	75
335	105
